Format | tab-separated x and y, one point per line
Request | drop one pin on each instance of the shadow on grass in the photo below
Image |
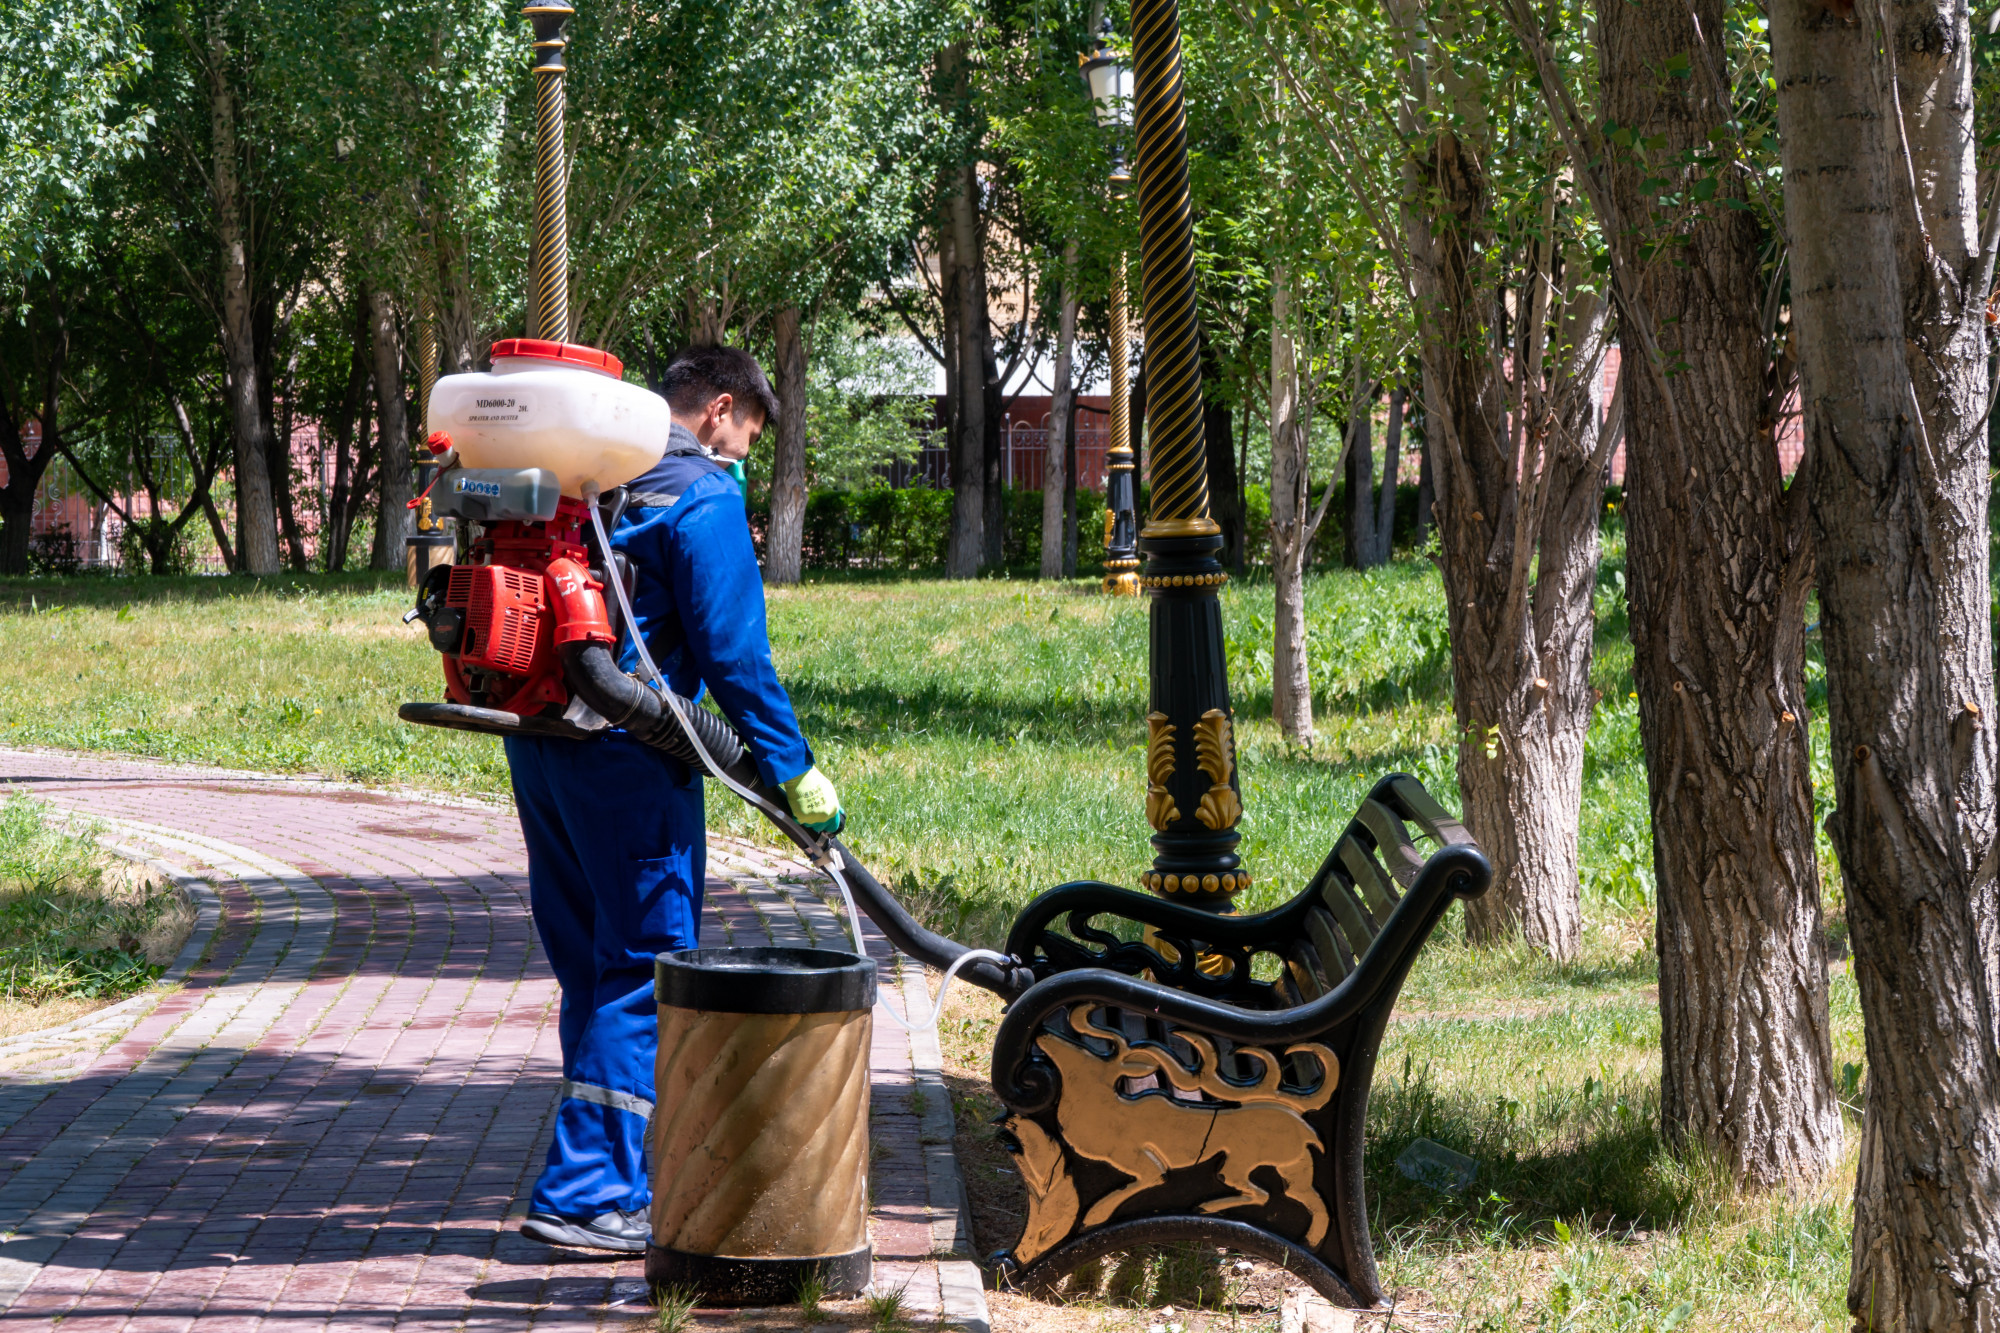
1591	1151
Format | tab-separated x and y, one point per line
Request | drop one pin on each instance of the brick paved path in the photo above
336	1120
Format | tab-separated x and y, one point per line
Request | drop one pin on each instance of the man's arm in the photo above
720	595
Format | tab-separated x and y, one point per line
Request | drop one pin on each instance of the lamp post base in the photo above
1193	800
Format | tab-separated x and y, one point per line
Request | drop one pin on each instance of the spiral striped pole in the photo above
427	353
427	374
1193	797
1121	556
548	266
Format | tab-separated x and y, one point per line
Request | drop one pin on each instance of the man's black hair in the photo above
697	376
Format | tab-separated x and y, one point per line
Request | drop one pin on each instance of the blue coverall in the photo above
615	830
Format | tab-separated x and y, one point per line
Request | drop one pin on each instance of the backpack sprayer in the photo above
533	457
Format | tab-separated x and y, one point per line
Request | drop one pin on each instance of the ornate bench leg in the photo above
1042	1277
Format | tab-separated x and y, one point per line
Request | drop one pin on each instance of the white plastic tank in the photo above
552	405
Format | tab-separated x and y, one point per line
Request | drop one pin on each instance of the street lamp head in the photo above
1110	80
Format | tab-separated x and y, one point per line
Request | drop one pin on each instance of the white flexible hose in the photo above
829	860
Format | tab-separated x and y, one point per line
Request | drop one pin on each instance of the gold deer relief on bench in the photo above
1150	1133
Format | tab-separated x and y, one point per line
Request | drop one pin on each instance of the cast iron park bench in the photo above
1172	1074
1175	1075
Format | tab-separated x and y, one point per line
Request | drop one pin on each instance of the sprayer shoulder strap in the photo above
678	469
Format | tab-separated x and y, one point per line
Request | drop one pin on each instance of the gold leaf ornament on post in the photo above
1215	755
1161	811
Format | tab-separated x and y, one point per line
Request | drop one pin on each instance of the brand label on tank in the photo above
467	486
499	409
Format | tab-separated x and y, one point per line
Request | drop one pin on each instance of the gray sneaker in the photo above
626	1232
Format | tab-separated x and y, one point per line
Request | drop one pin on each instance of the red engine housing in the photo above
526	590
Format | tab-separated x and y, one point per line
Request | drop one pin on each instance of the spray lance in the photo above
532	454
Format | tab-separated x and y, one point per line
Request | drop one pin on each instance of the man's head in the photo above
720	394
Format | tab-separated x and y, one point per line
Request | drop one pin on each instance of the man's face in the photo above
728	427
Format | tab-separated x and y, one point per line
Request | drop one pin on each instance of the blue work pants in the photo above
616	860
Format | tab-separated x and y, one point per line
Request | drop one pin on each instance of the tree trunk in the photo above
279	462
784	539
1894	433
1426	486
1717	572
256	519
993	405
1218	438
1069	488
1519	625
457	332
392	523
1392	461
1060	444
1358	542
44	349
1291	535
1135	417
966	289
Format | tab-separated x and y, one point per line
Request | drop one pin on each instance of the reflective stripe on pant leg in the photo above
618	1101
596	1162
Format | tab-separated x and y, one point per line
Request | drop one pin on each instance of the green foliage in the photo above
866	407
64	67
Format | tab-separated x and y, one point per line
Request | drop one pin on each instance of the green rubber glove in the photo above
814	802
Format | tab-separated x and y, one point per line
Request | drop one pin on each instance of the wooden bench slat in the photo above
1443	825
1369	877
1392	839
1316	978
1346	909
1336	959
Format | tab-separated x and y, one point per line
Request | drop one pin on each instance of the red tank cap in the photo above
575	354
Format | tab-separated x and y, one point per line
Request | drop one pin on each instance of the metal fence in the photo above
1022	460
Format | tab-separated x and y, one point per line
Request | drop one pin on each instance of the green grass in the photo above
72	926
987	739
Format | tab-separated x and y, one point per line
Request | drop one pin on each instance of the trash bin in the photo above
760	1133
425	551
434	542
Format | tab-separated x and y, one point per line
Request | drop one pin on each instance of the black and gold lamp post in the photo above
431	543
548	279
1192	796
1110	80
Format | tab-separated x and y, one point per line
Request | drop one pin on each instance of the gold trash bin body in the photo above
760	1132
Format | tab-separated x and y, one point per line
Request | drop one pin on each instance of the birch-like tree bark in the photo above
1291	529
1358	539
1876	112
1294	519
784	539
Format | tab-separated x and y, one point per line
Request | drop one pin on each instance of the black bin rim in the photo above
765	979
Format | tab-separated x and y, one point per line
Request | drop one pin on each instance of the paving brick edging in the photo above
336	1117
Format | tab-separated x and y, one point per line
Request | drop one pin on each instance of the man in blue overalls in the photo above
615	832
